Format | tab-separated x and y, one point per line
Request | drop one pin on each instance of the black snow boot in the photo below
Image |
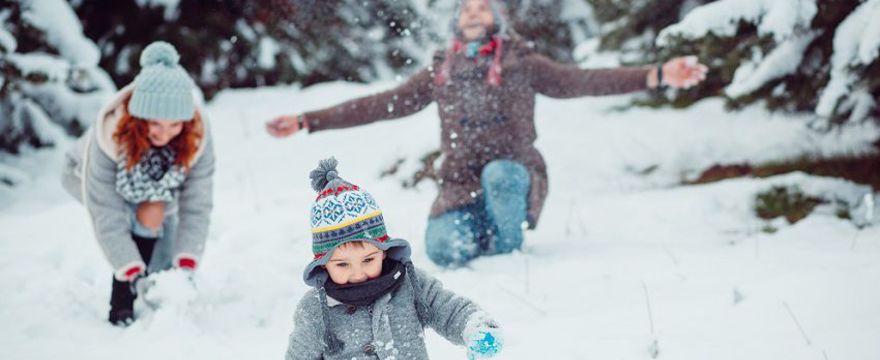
123	295
121	303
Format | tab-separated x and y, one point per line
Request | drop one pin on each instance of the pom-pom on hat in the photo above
343	212
162	89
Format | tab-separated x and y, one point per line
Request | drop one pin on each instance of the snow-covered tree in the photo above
555	27
50	84
794	55
630	26
791	55
241	43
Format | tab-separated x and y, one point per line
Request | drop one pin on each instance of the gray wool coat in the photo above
90	176
389	329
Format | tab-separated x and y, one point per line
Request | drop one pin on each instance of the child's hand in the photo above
484	341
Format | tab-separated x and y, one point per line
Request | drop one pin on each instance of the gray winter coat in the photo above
90	176
389	329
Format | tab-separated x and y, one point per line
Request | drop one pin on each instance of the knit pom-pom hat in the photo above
162	89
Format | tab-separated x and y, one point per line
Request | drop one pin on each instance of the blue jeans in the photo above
162	257
491	225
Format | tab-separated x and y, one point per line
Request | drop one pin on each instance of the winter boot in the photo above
123	294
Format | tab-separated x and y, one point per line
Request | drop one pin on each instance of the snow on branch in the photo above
7	41
63	30
856	43
783	60
778	18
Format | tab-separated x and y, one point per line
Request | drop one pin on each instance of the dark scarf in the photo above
157	161
365	293
330	338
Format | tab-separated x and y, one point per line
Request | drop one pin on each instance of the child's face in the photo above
355	262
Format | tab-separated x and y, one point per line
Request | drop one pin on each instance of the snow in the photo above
588	55
610	242
579	15
11	176
55	95
38	122
778	18
782	60
63	30
268	50
170	14
869	41
7	41
66	105
861	102
856	42
52	67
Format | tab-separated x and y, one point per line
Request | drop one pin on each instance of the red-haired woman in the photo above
144	172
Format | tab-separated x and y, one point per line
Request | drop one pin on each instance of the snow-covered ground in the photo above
619	260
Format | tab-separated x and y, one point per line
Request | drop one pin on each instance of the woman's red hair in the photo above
132	136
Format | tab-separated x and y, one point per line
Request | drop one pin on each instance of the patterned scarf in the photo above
153	178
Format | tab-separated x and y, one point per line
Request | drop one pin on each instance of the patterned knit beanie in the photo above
343	213
163	89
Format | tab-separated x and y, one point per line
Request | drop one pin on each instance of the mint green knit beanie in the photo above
163	89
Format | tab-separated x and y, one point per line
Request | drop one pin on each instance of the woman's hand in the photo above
285	125
681	73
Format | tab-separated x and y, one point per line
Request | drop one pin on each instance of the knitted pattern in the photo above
153	178
342	212
163	89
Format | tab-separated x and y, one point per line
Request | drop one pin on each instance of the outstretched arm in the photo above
408	98
566	81
448	313
458	319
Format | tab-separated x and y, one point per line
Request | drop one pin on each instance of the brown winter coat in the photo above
480	122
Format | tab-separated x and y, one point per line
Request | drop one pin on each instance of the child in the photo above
368	300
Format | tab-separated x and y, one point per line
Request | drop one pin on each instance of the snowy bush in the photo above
50	84
781	201
796	55
630	26
816	56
